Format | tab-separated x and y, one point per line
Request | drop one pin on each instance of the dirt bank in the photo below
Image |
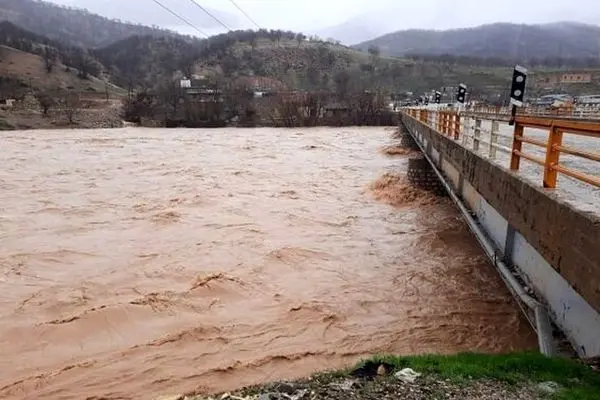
512	376
98	116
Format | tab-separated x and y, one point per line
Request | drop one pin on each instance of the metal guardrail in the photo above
467	126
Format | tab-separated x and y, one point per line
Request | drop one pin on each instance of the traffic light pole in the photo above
513	115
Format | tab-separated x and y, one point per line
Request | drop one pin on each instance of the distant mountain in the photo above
71	26
566	40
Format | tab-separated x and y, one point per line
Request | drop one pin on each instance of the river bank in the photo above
518	376
92	118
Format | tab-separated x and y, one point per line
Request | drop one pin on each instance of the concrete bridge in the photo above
531	195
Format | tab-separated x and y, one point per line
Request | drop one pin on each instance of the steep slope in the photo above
71	26
565	40
30	69
145	60
32	61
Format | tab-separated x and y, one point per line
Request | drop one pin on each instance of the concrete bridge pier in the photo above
407	141
421	175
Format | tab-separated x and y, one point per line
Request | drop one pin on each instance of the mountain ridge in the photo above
72	26
564	39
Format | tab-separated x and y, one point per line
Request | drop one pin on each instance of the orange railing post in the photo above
456	126
552	157
439	122
517	145
446	122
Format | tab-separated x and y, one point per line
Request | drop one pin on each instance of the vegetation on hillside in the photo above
70	25
303	76
52	51
549	44
297	62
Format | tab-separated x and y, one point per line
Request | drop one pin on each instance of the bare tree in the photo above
85	64
70	103
278	36
374	52
141	105
187	65
342	83
312	106
46	100
170	95
253	43
50	56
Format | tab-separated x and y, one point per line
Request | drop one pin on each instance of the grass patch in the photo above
5	126
577	380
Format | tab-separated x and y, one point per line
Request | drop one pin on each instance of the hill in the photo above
71	26
298	63
30	70
291	59
523	43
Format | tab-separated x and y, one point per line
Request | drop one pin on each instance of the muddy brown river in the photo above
141	262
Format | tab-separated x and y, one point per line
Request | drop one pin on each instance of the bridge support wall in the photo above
554	247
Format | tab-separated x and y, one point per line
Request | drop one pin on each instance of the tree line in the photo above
222	102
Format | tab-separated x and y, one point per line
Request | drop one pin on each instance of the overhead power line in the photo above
210	15
244	12
180	17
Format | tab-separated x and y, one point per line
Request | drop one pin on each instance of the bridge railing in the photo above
481	132
570	111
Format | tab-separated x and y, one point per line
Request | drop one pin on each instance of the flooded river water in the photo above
138	262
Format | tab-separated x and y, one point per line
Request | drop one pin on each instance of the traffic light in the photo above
426	100
462	93
438	97
517	90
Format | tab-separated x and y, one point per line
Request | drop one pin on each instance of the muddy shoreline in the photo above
511	376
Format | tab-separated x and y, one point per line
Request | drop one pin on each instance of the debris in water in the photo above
394	190
397	134
166	217
205	280
407	375
396	150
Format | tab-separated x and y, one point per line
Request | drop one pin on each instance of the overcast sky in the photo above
377	15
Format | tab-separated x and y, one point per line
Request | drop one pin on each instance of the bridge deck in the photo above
491	137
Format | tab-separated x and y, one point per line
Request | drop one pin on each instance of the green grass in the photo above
5	126
578	381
